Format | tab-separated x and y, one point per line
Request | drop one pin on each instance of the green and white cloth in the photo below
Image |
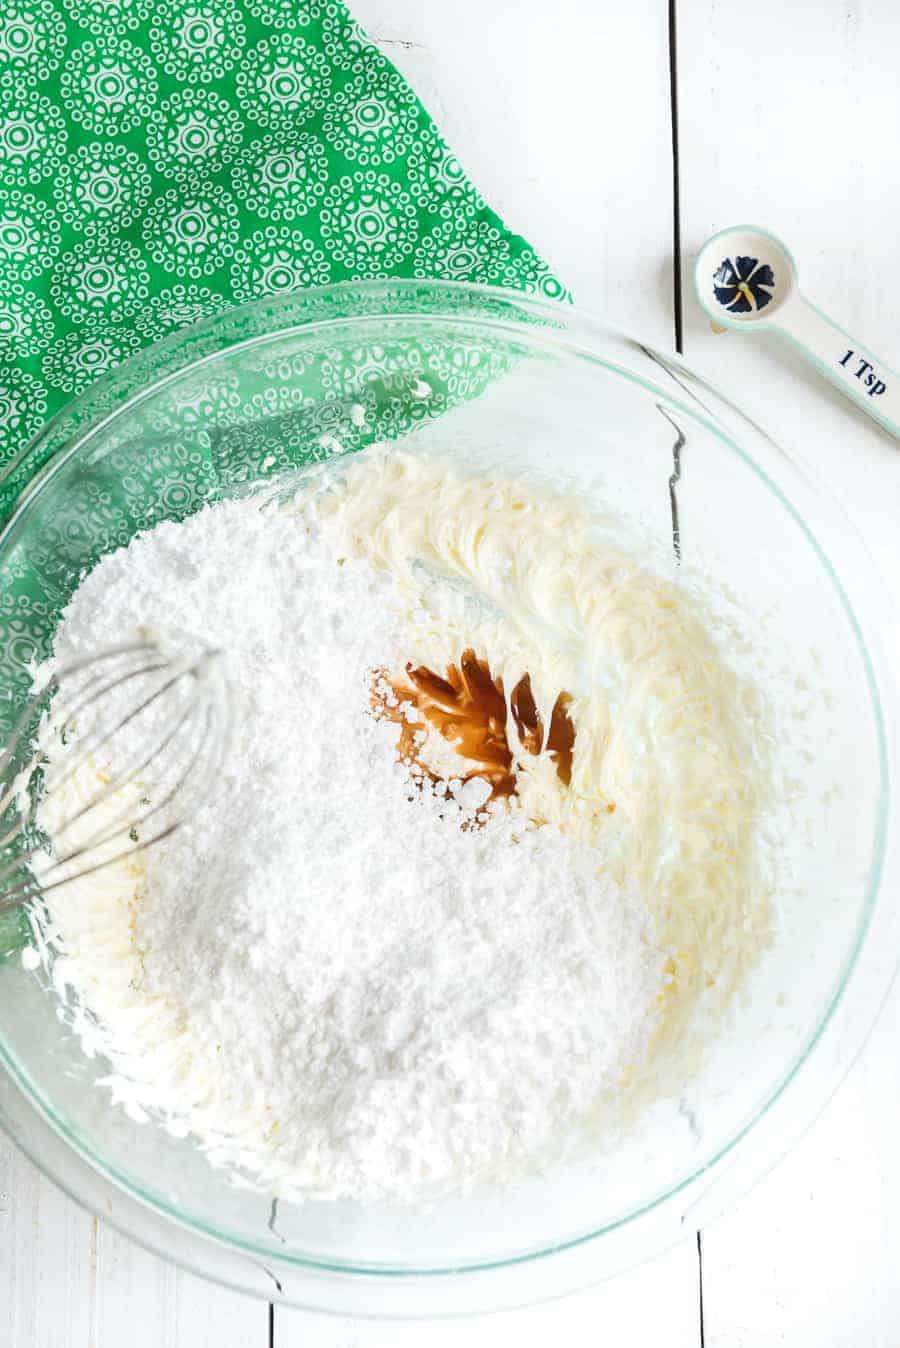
161	160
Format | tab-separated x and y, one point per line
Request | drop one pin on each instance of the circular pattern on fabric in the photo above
372	374
75	360
368	223
282	367
281	180
480	253
283	13
23	405
100	184
436	173
32	136
32	38
176	307
527	271
184	78
273	261
210	396
123	14
273	403
463	372
90	281
462	207
193	129
29	237
108	86
283	80
197	42
26	323
374	119
343	40
191	234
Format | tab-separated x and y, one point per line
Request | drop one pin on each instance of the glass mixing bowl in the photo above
264	389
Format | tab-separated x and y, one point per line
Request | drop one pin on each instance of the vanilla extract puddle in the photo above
468	708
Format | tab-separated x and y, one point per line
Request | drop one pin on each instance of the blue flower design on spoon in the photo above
743	285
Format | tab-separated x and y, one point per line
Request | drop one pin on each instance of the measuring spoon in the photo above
746	279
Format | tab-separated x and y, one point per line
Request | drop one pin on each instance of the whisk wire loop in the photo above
122	745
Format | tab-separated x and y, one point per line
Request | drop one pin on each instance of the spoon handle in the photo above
849	365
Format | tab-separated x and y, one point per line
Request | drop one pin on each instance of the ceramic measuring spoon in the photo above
746	279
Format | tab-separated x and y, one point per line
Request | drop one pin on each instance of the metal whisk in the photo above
113	753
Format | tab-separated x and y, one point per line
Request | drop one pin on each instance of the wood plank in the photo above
563	124
48	1260
655	1304
68	1280
788	120
811	1255
176	1309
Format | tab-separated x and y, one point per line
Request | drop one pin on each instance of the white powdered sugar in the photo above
326	979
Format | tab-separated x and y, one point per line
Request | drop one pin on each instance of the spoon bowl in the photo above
745	278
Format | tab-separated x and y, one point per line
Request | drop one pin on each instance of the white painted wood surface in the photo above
657	1306
788	118
68	1280
788	114
560	114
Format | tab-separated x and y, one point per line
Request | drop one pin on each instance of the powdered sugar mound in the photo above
325	978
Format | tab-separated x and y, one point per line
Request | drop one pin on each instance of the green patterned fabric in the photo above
161	160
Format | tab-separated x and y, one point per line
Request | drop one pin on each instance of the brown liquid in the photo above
468	708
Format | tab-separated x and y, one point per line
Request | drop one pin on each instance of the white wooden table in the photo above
787	112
